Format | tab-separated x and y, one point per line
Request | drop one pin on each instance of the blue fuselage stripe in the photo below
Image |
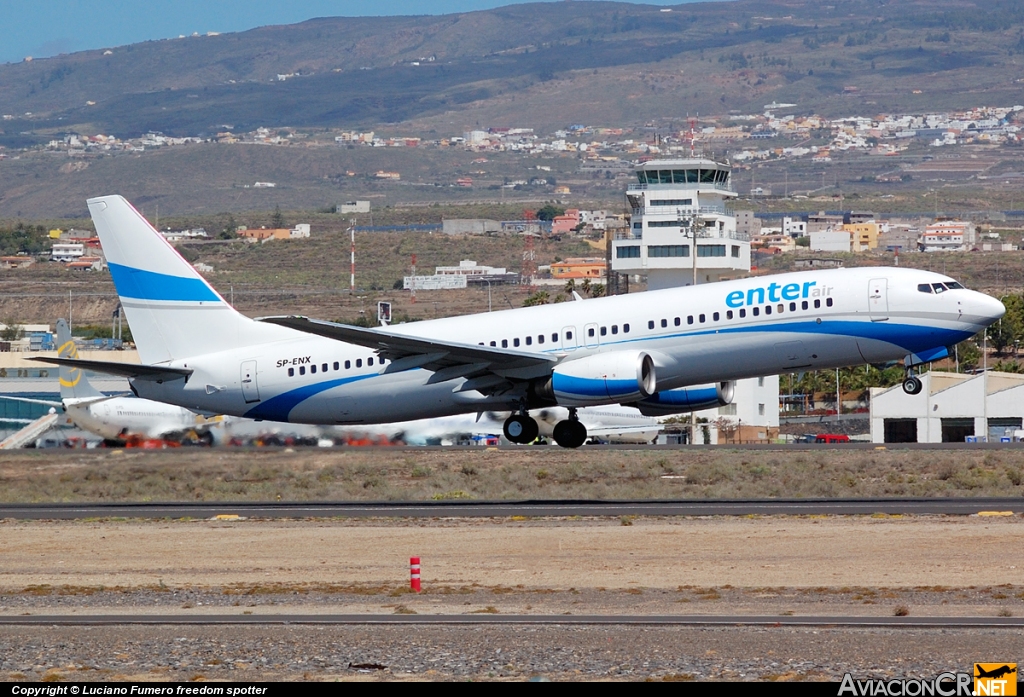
149	285
278	408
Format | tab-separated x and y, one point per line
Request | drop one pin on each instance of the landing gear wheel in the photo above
520	428
570	433
912	384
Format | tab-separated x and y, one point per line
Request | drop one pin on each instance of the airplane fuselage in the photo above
695	335
119	417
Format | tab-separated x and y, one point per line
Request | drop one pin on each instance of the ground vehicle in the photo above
831	438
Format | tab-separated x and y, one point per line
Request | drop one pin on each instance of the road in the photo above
502	509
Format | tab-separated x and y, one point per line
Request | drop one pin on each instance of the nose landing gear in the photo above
911	383
570	433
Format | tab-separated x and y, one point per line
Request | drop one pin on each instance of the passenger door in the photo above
878	299
250	389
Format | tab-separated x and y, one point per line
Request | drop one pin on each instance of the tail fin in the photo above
173	312
73	383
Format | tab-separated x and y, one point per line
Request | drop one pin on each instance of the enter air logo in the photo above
777	292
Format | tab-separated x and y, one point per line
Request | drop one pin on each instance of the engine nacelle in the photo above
686	399
605	378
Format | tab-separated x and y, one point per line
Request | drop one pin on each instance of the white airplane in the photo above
614	423
117	417
639	349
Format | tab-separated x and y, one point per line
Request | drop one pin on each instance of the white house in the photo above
950	408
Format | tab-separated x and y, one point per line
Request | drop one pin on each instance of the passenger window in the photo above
302	370
689	319
780	308
743	313
504	343
590	332
755	311
817	303
515	342
554	337
604	331
323	368
715	316
312	368
615	329
625	329
369	361
650	324
664	323
924	287
359	362
792	307
540	338
568	335
803	305
337	366
828	302
728	314
291	372
529	341
348	364
678	321
767	309
701	319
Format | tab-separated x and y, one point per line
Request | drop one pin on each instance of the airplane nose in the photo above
990	308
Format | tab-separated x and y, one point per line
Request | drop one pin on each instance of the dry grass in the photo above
509	474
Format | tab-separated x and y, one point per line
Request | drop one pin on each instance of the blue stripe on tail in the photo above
149	285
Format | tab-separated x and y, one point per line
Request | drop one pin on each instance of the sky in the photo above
43	28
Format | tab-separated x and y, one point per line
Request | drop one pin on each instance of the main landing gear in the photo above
520	428
570	433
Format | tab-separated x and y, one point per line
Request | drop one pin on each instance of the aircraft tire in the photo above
570	433
912	385
521	429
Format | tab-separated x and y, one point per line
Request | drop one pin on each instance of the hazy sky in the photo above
41	28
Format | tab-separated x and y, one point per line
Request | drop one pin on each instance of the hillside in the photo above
540	65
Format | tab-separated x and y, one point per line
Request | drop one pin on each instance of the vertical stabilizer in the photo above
173	312
73	383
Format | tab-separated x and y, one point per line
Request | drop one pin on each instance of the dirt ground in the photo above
541	563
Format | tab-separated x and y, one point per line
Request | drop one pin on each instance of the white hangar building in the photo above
950	408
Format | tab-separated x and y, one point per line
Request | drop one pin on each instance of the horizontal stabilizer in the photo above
29	400
156	373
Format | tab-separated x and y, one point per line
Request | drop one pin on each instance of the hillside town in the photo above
780	132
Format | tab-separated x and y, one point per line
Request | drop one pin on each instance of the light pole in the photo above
488	294
839	398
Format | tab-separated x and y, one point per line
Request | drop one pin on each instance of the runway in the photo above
501	509
536	620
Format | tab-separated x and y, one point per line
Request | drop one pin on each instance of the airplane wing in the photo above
158	373
448	359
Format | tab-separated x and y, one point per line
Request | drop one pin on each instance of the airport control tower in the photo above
676	203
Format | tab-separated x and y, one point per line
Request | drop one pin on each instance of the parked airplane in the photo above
640	349
117	417
612	423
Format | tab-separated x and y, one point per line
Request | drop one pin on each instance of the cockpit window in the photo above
924	287
953	285
939	287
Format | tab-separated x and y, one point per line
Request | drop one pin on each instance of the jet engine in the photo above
615	376
686	399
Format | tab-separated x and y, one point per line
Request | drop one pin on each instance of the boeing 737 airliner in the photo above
645	349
